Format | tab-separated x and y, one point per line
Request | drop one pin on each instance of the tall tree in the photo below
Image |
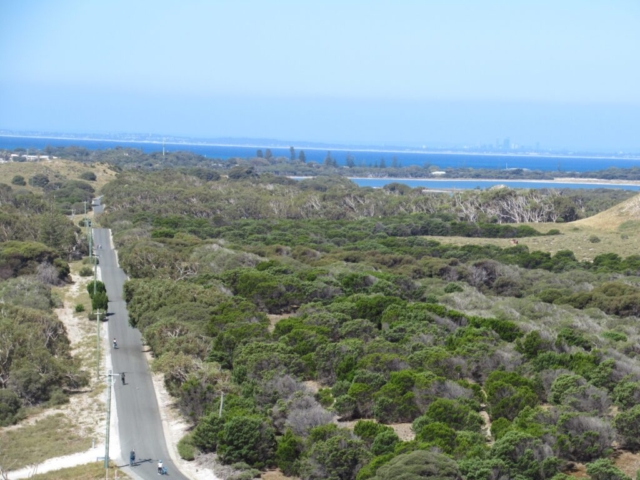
350	161
383	164
292	153
259	154
394	162
302	157
328	161
267	154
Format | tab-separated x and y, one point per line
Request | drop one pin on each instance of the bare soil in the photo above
403	430
274	319
628	462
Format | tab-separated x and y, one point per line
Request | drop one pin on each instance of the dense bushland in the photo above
35	245
207	202
330	317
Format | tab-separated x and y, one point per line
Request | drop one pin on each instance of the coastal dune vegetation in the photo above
328	315
356	333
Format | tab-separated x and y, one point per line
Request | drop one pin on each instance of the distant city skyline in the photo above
557	74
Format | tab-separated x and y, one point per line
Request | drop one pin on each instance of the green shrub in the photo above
247	439
615	336
626	394
340	456
419	464
186	448
100	301
584	438
453	287
628	426
324	397
79	308
384	442
455	414
96	285
39	180
86	271
367	430
205	435
9	407
89	176
499	427
525	455
18	180
604	469
438	434
288	452
594	239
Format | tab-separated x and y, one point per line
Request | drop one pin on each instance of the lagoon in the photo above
460	184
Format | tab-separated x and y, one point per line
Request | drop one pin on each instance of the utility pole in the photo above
90	224
221	403
110	376
89	236
98	344
95	277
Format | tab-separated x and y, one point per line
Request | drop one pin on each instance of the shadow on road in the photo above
137	462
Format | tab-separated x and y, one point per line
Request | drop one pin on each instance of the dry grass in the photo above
274	319
52	436
56	170
617	228
90	471
629	463
580	471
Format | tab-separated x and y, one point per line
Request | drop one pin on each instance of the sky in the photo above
561	73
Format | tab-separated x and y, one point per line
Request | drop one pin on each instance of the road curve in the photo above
139	418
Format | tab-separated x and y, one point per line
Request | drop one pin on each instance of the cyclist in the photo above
122	376
115	343
132	457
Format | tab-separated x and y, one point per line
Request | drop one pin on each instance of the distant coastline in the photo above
532	155
578	181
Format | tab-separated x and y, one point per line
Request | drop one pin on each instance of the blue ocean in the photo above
361	157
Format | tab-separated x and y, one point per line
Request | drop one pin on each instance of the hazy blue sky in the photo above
558	72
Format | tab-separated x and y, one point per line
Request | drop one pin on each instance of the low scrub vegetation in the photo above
391	326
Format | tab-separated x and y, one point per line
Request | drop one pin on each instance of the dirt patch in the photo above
273	319
578	471
403	430
312	386
629	463
486	427
77	326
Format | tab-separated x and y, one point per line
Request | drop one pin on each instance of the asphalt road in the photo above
139	419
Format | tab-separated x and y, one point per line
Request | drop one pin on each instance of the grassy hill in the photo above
56	170
617	229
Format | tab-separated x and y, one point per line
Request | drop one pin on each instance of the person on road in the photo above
123	379
132	457
160	467
115	343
